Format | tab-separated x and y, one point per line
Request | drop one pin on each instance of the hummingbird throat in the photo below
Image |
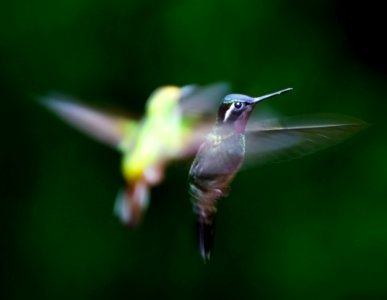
229	121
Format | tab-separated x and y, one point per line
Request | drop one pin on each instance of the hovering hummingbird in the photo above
173	127
231	140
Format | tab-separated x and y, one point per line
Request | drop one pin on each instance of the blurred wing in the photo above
106	128
274	140
196	138
199	106
197	100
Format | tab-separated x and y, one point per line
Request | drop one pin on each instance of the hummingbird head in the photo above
163	101
235	109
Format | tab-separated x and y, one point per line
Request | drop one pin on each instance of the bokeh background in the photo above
313	228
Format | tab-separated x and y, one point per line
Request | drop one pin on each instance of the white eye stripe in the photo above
233	108
228	112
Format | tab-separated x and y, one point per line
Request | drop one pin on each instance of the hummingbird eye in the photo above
238	105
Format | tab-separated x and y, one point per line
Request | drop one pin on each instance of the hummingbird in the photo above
173	127
233	140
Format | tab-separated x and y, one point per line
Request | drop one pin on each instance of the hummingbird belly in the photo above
216	163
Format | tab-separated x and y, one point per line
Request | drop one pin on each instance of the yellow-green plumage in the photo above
168	131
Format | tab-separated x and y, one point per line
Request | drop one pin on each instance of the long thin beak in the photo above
258	99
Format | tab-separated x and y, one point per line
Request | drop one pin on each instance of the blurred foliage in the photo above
314	228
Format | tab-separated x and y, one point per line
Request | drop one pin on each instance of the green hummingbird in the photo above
173	127
233	139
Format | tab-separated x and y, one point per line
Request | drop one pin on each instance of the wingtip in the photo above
53	97
59	104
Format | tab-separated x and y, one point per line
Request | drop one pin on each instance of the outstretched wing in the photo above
199	101
278	140
107	128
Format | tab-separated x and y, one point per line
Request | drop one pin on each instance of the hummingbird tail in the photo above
131	203
205	230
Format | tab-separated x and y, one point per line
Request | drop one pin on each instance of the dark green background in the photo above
314	228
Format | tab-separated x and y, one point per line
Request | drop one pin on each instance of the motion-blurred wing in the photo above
200	101
199	106
278	140
106	128
196	138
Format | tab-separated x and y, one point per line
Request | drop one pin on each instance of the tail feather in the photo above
205	231
131	203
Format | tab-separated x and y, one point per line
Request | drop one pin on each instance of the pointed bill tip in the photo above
285	90
258	99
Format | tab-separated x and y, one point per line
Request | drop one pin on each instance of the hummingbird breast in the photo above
217	161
